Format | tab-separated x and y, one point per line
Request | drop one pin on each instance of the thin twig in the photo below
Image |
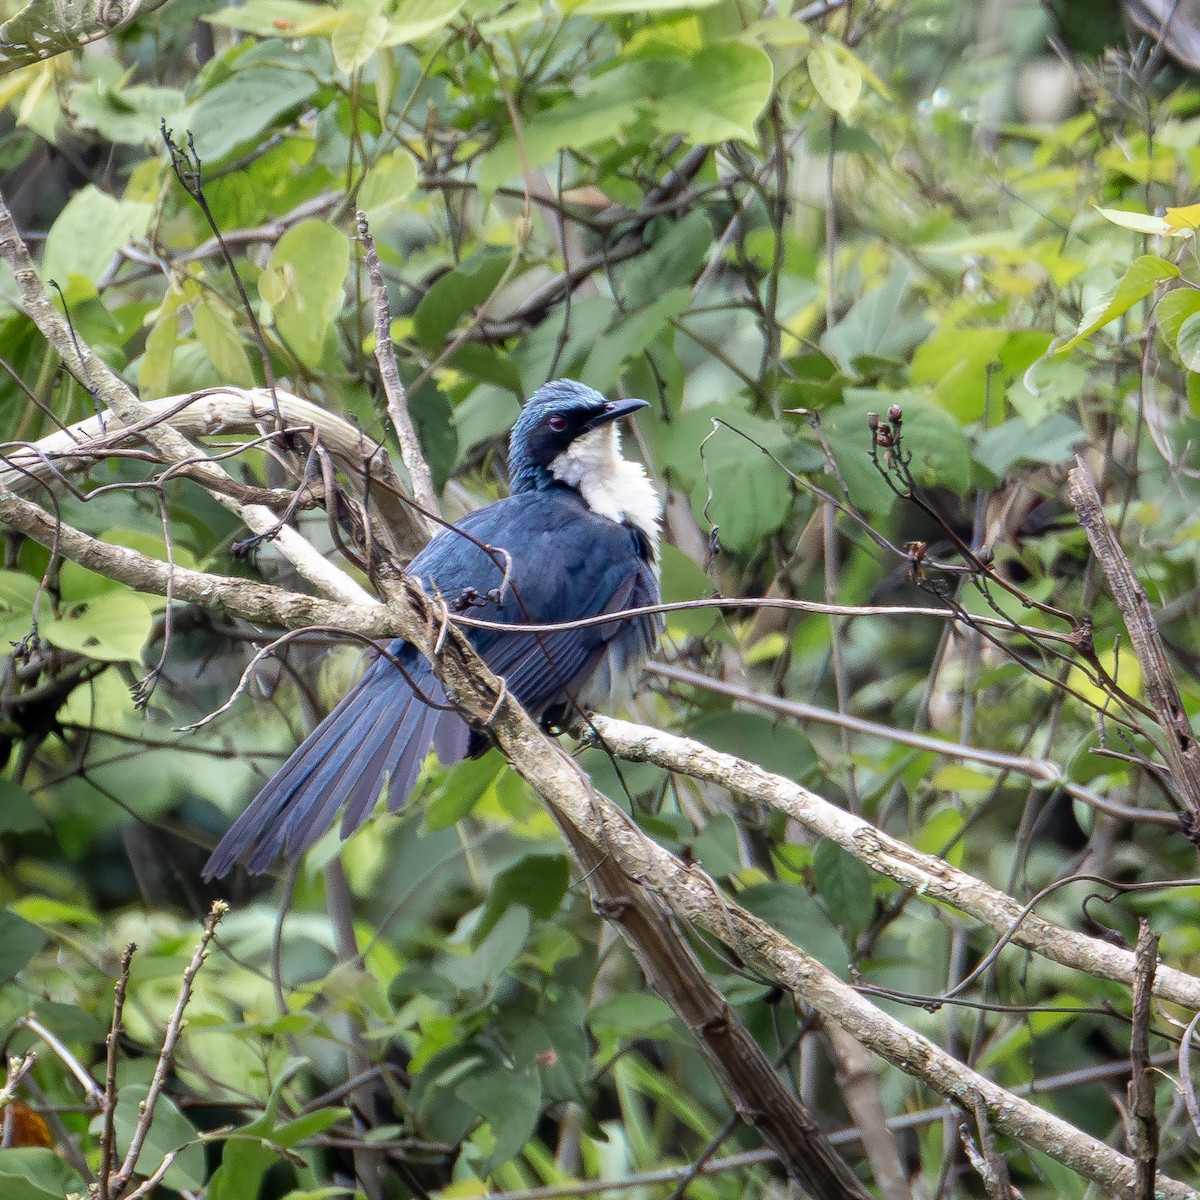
91	1088
107	1156
166	1055
423	490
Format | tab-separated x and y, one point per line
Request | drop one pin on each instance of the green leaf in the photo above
971	369
631	1015
779	748
844	884
577	123
717	849
1052	440
630	337
1173	309
387	185
154	370
1187	344
416	19
36	1173
358	35
89	231
718	96
130	116
292	1133
240	109
461	788
244	1161
682	579
751	498
19	812
939	831
941	456
538	881
223	344
484	968
457	293
837	79
308	265
19	942
599	8
879	324
1144	275
671	261
510	1102
169	1130
791	910
113	627
714	95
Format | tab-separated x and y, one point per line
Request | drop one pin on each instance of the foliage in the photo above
771	226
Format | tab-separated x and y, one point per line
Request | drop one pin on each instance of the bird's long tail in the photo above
385	726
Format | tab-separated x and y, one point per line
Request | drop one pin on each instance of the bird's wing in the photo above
566	563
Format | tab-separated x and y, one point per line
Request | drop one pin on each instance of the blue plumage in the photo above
580	529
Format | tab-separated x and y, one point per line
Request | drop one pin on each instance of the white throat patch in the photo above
610	485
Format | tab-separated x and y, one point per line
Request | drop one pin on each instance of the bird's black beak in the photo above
614	410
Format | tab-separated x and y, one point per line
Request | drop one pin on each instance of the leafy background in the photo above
769	223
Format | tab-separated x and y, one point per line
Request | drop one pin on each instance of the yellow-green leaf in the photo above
387	184
357	37
113	627
1143	276
223	344
419	18
838	82
303	284
1180	219
279	18
1144	223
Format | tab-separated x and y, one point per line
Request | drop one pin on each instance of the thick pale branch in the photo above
221	411
926	874
111	391
761	1097
259	603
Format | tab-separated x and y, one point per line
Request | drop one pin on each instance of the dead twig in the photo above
1142	1119
1180	747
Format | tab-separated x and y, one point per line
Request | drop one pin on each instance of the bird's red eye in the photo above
558	424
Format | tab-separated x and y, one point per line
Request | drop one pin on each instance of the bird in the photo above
580	535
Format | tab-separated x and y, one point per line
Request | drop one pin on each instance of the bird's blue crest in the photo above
525	472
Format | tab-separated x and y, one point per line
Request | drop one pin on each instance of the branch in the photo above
108	389
927	875
1180	747
758	1094
166	1055
393	387
1142	1118
257	602
692	895
226	410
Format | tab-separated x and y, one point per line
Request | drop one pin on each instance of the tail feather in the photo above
364	777
383	726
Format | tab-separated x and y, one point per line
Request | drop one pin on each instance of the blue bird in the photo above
581	531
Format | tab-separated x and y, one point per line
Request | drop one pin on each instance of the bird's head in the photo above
564	427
